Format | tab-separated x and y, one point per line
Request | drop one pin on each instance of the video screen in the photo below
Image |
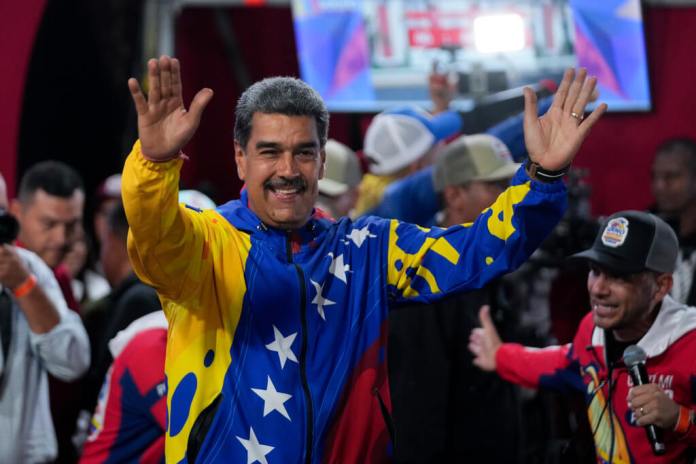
370	55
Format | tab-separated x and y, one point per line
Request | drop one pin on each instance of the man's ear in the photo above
452	195
322	168
240	159
16	209
664	285
449	193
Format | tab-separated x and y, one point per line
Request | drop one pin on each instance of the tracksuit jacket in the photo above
277	339
670	345
130	417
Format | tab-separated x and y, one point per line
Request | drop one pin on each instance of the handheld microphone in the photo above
634	357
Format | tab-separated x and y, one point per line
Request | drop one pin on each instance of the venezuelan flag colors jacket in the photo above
276	343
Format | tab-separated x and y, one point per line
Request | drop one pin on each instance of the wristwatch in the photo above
535	171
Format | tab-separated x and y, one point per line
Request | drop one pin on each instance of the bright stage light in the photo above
499	33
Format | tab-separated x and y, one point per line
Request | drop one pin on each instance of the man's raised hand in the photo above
553	139
164	124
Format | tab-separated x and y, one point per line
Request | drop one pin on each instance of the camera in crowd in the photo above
9	227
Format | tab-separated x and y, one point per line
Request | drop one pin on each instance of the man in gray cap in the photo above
338	189
631	264
470	174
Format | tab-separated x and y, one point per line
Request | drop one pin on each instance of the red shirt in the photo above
130	419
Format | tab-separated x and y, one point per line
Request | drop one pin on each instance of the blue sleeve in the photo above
425	264
411	199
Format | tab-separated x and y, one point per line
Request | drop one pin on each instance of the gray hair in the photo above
280	95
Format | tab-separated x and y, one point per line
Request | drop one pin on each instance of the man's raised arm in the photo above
427	264
163	238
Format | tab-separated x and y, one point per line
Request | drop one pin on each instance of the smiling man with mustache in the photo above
277	316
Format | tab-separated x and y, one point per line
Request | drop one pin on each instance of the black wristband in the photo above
536	172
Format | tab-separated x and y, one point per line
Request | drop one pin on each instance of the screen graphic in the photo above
369	55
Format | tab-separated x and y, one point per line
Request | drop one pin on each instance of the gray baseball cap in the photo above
479	157
342	169
634	241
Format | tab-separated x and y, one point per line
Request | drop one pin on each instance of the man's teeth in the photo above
286	192
603	306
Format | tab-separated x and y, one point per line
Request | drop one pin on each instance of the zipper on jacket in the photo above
200	430
303	354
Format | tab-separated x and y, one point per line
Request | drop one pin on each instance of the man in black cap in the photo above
631	264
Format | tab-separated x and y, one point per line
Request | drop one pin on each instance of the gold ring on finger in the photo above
642	411
577	116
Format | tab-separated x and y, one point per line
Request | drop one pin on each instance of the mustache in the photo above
286	183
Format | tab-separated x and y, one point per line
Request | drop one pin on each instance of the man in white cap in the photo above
398	143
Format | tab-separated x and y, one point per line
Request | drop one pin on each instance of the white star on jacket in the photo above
358	236
273	400
338	268
319	299
283	346
255	450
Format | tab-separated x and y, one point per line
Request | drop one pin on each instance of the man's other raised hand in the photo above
554	139
164	124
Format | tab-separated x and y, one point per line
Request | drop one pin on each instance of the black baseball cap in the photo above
634	241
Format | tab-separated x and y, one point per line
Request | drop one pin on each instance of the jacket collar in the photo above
238	213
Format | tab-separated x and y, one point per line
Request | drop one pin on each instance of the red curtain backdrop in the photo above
18	24
620	149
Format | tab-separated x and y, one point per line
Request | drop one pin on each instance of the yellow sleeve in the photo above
168	244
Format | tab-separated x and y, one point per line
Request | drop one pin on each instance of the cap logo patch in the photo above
615	232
